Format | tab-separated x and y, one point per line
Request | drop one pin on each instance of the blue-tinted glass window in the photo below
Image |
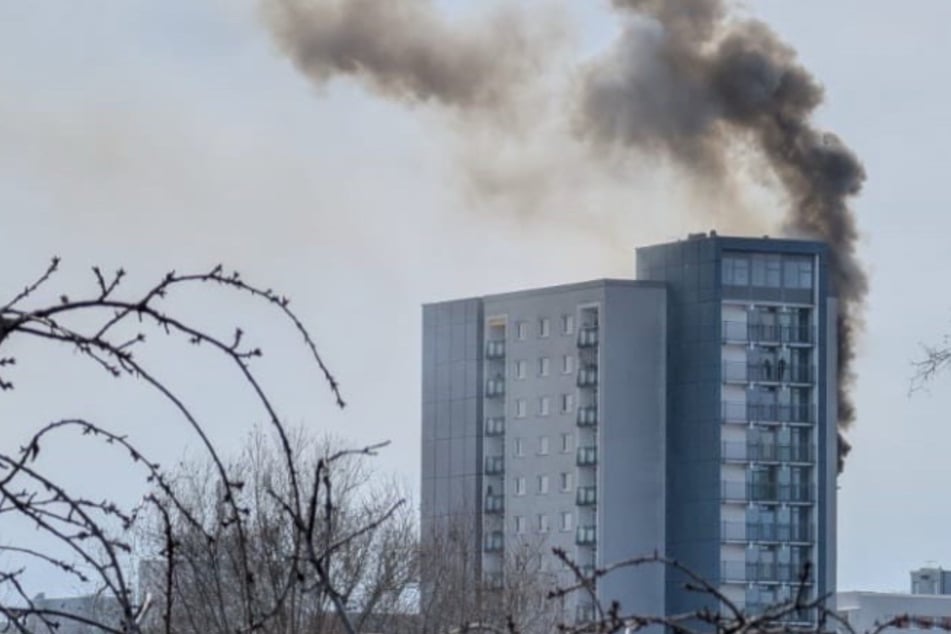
736	271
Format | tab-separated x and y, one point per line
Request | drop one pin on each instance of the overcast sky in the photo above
174	134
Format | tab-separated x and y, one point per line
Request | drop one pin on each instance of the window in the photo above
566	481
565	443
521	369
520	408
521	329
773	271
519	524
542	484
543	446
735	271
544	366
798	273
567	402
542	523
519	447
519	486
766	270
544	406
544	327
567	364
567	324
567	520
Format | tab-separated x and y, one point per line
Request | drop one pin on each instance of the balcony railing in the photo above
775	493
588	376
586	496
766	492
742	331
768	372
494	426
767	452
494	542
733	532
765	532
587	456
494	504
588	337
587	416
733	571
734	452
495	349
774	572
585	535
761	572
773	412
494	465
733	491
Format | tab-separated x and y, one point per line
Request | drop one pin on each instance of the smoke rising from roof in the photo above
684	80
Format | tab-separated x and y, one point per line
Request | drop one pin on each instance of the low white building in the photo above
866	611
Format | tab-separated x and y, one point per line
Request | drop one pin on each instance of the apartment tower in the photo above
690	411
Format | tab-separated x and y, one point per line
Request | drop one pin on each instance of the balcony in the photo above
767	371
588	337
798	494
587	456
495	387
494	465
586	536
586	496
588	376
587	416
776	413
765	532
733	532
733	491
733	571
734	452
767	492
767	334
797	453
494	504
775	572
495	426
767	452
733	412
495	349
494	542
801	335
772	493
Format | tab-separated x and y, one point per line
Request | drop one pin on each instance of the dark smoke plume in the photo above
404	49
684	81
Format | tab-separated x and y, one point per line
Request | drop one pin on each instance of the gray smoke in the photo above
404	49
685	81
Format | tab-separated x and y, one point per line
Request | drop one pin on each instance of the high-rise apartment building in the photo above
690	412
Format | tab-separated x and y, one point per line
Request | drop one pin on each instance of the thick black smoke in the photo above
684	81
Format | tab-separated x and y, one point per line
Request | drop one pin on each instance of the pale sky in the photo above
173	134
